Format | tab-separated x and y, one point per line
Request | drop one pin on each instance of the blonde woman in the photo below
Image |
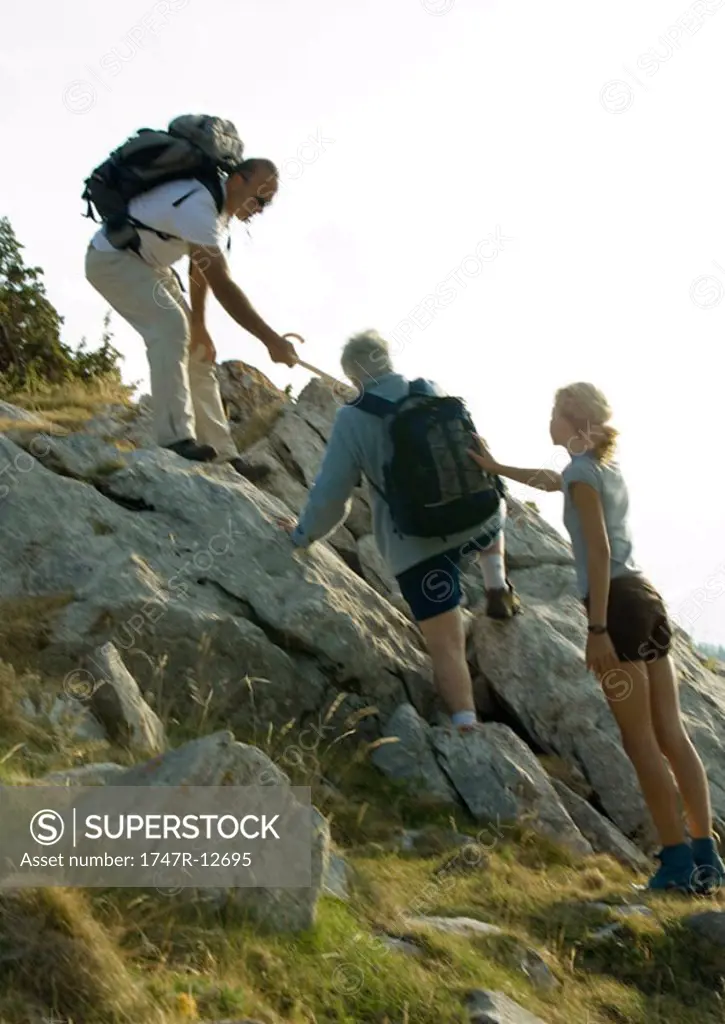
628	647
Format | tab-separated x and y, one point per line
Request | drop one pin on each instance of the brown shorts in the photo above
637	619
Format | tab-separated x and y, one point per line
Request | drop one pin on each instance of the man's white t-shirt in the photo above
195	220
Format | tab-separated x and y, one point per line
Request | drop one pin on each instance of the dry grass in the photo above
54	952
25	626
69	406
258	425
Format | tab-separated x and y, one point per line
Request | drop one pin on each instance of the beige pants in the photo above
184	388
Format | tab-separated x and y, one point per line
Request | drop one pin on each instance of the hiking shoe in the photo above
192	450
709	869
252	471
676	872
502	603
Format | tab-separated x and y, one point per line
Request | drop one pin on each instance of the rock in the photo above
246	391
500	780
710	925
411	759
65	713
219	760
623	910
431	841
536	969
117	702
401	945
360	521
81	456
191	571
15	414
601	833
454	925
531	541
496	1008
298	446
132	424
335	882
84	775
70	715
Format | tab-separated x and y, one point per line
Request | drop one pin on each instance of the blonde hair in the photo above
589	412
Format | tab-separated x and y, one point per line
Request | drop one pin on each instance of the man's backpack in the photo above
432	486
194	146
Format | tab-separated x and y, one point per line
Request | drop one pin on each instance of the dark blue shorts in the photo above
434	586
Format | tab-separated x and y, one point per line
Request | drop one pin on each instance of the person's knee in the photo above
673	742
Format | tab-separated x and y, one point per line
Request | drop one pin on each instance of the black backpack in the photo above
194	146
432	486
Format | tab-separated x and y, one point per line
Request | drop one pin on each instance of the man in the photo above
427	568
180	218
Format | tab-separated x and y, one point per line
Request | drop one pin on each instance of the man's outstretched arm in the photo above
329	501
213	267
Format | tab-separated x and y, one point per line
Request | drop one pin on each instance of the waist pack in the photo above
194	146
432	486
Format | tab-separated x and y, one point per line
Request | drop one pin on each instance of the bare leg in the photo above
446	641
677	747
628	692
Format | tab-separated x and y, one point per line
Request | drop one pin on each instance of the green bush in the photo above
31	352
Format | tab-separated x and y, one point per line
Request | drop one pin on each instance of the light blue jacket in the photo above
359	445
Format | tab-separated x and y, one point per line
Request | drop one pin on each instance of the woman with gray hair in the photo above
427	567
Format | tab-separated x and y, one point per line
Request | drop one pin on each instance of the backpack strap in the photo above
374	404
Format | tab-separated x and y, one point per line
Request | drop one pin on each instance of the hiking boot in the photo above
255	472
709	869
677	870
502	603
192	450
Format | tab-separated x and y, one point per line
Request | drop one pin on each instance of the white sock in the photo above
464	718
494	573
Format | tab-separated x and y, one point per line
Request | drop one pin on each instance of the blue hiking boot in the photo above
709	868
677	870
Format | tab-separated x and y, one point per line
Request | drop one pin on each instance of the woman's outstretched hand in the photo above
482	456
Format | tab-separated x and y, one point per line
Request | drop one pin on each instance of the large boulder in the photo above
490	771
219	760
185	570
499	780
597	830
246	392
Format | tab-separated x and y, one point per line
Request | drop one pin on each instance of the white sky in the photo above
442	122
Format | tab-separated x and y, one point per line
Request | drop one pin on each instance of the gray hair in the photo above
366	357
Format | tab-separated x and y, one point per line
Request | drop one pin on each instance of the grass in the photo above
116	956
69	406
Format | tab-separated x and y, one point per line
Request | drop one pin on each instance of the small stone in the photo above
710	925
401	945
335	878
496	1008
454	925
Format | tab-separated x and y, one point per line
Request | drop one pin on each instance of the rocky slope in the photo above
179	575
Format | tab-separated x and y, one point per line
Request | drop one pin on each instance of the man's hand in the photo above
283	351
200	341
